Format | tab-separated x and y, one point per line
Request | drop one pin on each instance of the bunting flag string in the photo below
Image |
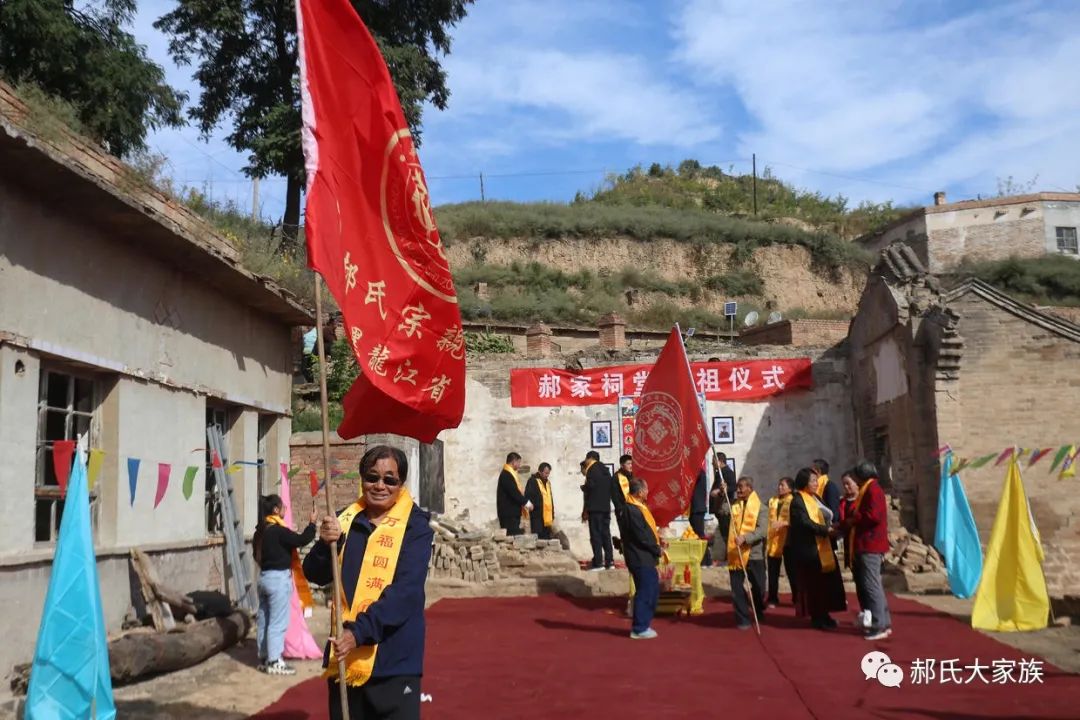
1065	460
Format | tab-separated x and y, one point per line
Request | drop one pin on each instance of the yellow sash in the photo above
822	481
302	587
624	483
744	515
824	547
376	574
549	508
520	487
849	548
779	512
648	515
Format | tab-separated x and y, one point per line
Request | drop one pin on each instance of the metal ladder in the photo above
237	556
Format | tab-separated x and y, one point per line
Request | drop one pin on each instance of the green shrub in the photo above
1048	280
488	343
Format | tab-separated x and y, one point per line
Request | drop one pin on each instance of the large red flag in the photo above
371	233
670	438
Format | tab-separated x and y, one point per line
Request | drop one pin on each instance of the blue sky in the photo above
877	101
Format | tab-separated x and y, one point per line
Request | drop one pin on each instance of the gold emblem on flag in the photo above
408	220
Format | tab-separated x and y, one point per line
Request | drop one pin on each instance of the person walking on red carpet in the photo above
745	551
817	574
601	492
868	535
385	542
641	547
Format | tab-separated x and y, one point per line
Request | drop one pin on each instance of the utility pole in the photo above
255	200
482	187
754	161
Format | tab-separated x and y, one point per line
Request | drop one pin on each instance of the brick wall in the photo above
306	453
798	333
1018	385
948	245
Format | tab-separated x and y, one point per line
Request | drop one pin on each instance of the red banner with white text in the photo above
736	380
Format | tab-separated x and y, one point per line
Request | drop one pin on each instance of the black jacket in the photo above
396	620
803	533
832	497
639	546
508	500
699	499
728	476
533	495
602	490
275	545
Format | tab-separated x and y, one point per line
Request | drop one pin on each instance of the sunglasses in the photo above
387	480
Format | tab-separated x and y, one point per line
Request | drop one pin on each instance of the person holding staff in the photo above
385	545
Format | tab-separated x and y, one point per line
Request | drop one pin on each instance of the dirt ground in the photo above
228	687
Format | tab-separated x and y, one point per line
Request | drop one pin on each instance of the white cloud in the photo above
895	89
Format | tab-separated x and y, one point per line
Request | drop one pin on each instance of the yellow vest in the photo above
744	516
779	512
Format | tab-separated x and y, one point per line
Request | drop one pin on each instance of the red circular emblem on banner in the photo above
658	433
408	220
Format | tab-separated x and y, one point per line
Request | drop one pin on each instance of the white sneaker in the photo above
278	667
649	634
882	634
863	620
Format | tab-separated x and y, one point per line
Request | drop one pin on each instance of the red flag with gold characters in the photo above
670	437
371	233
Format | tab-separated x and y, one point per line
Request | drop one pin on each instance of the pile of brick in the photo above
911	565
462	551
466	552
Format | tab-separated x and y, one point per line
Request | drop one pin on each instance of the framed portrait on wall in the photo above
731	464
723	430
601	433
610	468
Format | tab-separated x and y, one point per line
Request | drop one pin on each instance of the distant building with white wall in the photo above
944	234
126	318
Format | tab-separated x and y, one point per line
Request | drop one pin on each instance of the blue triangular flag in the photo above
956	537
70	674
133	477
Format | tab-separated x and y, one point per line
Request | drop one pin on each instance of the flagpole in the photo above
335	607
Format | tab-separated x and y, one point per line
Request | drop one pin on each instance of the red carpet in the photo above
553	657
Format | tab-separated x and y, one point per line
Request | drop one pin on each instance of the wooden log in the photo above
139	655
158	592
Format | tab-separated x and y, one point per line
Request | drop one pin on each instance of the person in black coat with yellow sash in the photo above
511	505
817	573
538	492
641	548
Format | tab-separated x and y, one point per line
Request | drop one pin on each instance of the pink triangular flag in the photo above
299	644
163	472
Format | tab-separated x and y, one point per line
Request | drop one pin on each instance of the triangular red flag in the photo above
215	459
371	233
670	437
62	453
1037	455
313	479
164	470
1006	453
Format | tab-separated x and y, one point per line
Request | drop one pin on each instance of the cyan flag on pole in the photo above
70	674
956	537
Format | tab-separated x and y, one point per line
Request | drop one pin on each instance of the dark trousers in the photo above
603	553
756	570
697	524
390	698
774	564
792	575
646	595
512	527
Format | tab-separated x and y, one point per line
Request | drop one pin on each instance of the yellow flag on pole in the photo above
1012	593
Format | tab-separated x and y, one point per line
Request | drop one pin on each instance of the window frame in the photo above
45	492
1071	249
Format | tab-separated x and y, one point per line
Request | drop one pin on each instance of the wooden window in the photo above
67	409
1066	241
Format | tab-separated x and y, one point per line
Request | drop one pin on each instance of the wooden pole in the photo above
747	587
335	608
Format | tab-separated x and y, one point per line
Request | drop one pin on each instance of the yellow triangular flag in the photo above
1012	592
93	470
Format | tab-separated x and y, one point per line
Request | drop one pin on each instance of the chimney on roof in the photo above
939	197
